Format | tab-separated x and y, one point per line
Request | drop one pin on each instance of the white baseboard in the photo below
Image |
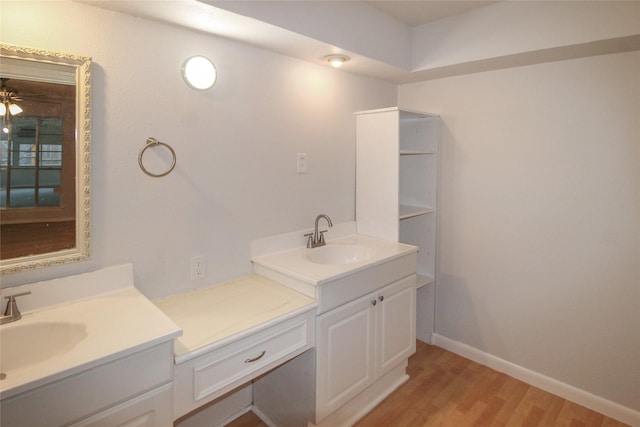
566	391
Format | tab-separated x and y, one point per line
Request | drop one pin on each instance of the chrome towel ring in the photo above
152	142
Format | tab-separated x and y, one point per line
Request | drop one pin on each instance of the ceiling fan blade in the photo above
42	100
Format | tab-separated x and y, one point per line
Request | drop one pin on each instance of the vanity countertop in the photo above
295	263
117	323
215	316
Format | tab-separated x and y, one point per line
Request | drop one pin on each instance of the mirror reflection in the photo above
44	153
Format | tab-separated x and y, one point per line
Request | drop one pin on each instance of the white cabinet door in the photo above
360	341
345	347
395	324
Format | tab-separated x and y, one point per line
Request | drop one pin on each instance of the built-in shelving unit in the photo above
396	190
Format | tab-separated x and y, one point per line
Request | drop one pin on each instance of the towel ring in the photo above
152	142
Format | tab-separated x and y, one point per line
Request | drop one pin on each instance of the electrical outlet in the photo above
197	267
301	165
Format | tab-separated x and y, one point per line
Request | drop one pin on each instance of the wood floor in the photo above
450	391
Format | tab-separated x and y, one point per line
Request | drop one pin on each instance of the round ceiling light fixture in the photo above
336	60
199	72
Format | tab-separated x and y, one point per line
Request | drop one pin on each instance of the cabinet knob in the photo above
374	302
381	298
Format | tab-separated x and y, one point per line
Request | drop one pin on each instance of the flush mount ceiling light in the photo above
336	60
199	72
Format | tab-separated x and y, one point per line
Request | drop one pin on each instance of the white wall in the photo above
517	27
236	145
539	260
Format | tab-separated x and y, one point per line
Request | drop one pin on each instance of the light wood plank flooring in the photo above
448	390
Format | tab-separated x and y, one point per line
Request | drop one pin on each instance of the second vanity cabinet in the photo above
365	333
361	341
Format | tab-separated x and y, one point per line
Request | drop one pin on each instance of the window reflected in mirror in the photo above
31	162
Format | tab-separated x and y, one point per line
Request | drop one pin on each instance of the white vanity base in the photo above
365	332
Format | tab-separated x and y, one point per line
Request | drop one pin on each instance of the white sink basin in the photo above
339	254
24	345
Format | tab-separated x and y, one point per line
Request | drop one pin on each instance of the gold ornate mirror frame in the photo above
27	64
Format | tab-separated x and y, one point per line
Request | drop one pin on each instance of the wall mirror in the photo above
44	159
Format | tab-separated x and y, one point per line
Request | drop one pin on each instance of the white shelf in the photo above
414	153
404	113
406	211
423	280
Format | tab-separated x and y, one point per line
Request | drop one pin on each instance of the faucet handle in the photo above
321	241
310	241
12	307
13	297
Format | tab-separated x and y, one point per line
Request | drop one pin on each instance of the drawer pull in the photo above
256	358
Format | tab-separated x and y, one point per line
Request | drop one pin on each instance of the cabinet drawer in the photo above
151	409
211	375
79	395
348	288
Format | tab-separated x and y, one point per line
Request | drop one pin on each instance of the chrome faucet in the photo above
11	313
316	238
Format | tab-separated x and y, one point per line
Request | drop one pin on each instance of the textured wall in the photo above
236	145
539	223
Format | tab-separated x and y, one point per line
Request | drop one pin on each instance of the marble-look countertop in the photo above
215	316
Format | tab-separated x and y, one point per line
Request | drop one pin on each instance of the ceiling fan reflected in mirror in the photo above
33	97
7	100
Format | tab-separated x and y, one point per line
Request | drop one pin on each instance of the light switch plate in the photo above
301	165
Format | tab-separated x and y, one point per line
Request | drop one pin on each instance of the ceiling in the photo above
417	12
406	41
309	29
